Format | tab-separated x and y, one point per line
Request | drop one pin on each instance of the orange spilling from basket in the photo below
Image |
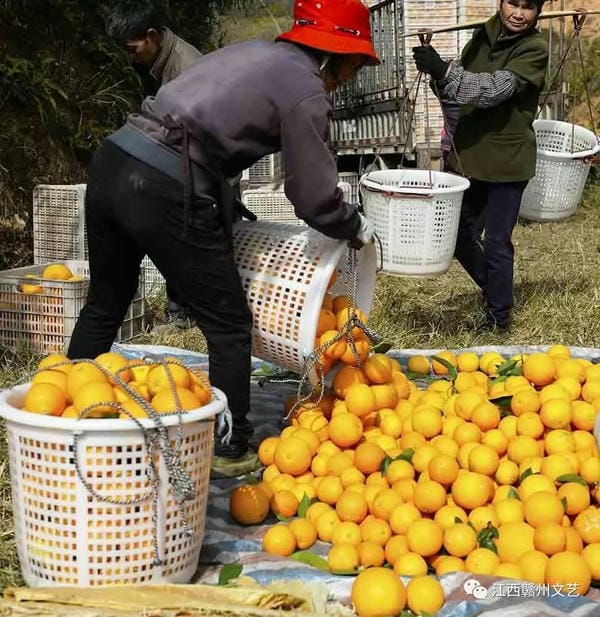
456	462
113	387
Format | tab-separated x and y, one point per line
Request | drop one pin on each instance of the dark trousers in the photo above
133	210
490	261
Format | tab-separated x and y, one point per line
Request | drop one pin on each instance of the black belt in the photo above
203	181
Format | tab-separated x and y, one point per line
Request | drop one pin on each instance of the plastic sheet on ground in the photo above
227	542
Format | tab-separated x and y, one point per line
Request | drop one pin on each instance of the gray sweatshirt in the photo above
251	99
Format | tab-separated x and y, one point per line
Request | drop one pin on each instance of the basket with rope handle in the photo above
106	500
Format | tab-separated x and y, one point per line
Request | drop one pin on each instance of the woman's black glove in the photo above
428	61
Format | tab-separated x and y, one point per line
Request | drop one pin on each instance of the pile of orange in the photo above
466	470
69	388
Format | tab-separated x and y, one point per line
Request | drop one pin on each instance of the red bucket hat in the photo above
334	26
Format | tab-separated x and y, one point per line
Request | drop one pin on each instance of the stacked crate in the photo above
41	314
59	229
473	10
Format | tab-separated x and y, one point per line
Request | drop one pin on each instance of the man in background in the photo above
158	56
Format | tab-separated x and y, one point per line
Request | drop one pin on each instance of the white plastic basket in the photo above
59	230
285	272
415	213
64	535
561	172
45	321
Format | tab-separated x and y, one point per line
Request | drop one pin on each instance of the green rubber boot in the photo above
222	467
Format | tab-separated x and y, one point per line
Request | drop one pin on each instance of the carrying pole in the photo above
478	24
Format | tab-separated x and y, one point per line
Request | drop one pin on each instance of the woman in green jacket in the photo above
497	82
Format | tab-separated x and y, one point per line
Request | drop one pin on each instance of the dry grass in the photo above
557	294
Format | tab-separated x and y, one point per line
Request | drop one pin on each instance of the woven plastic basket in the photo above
45	318
64	535
285	272
561	172
415	214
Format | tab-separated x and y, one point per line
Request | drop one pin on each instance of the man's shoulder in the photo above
187	53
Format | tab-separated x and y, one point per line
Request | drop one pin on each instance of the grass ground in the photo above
557	301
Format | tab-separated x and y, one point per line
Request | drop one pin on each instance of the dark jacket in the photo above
498	144
248	100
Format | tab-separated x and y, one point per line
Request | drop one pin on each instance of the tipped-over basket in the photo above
285	271
416	214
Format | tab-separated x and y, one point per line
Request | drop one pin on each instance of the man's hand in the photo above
365	233
428	61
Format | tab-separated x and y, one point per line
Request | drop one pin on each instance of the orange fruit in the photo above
576	495
326	321
566	569
304	531
165	402
345	377
160	377
542	508
375	530
429	496
533	565
440	369
481	561
91	395
513	540
53	360
424	595
292	456
45	398
329	490
57	272
248	504
539	369
57	378
424	537
344	315
443	469
446	564
266	449
326	523
343	558
471	490
360	399
384	503
346	532
116	364
284	503
333	349
360	348
460	539
378	368
345	430
279	540
410	564
377	592
368	457
352	507
395	547
370	554
550	538
80	374
587	523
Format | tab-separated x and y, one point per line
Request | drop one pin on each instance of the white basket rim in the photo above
13	414
555	124
579	154
460	184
